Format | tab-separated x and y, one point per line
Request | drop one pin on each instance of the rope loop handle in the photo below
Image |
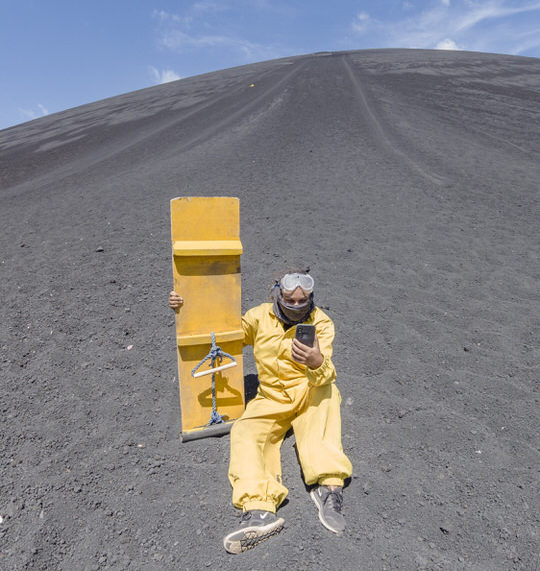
216	354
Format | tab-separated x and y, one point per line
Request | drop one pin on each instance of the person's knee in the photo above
242	433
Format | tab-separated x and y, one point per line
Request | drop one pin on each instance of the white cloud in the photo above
527	41
160	15
361	21
168	18
163	16
163	76
206	25
447	44
208	7
484	25
491	10
178	41
29	114
194	12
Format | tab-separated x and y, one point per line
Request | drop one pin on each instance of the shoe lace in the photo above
246	516
334	500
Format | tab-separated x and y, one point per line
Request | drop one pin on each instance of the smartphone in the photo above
305	334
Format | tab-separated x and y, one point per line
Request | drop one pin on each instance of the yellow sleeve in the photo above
326	373
249	325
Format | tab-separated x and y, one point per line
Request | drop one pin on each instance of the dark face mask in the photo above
291	314
295	312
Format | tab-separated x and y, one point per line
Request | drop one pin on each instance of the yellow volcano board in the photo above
206	252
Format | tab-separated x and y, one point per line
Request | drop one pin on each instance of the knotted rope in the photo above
216	355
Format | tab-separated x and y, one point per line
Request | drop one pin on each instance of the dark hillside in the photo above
408	181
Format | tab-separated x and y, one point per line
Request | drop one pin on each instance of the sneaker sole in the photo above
247	538
315	499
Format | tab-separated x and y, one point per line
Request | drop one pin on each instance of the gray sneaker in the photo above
255	526
329	503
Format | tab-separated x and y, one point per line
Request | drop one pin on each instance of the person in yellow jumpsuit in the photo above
296	389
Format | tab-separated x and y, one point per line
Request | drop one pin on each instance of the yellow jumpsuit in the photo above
289	394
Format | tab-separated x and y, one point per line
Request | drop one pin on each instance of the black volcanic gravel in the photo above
408	182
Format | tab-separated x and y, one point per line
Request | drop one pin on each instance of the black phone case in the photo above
305	334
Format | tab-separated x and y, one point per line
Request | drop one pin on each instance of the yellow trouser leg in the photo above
255	465
317	429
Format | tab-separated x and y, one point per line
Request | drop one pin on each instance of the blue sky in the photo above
57	54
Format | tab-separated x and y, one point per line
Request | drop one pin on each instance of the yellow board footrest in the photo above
207	248
206	338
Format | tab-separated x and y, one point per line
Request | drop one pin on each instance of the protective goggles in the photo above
289	282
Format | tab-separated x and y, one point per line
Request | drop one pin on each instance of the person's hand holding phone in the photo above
310	356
